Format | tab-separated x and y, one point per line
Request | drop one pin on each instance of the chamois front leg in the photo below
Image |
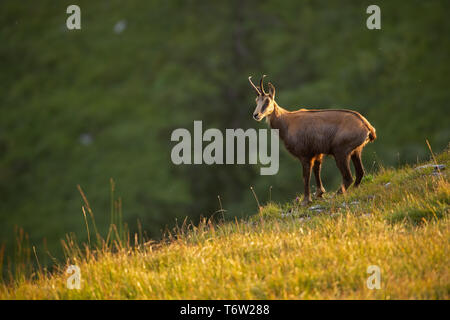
317	167
307	167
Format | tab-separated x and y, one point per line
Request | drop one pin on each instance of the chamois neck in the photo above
275	119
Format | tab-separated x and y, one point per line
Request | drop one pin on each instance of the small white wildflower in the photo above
120	26
86	139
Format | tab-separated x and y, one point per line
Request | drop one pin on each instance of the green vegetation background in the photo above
180	61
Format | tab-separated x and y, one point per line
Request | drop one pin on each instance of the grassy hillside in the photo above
397	220
80	107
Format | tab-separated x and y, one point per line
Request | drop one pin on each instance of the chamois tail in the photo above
372	131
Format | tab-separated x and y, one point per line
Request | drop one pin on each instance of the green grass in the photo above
285	251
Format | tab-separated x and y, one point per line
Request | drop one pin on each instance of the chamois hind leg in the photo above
307	167
317	167
359	168
343	163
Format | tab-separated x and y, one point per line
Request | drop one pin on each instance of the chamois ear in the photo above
271	90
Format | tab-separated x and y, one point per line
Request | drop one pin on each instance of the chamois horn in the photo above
254	87
261	85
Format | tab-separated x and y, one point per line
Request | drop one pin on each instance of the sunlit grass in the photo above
397	220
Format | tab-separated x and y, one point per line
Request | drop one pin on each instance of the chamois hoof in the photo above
341	190
306	202
319	194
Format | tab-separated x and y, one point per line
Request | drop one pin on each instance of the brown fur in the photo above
309	134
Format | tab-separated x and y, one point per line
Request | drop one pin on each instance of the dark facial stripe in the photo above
265	105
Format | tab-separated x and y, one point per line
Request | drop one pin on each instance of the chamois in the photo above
309	134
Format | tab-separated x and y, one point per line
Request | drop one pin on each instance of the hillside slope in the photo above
398	220
82	106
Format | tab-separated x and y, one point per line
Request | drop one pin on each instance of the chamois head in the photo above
265	102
